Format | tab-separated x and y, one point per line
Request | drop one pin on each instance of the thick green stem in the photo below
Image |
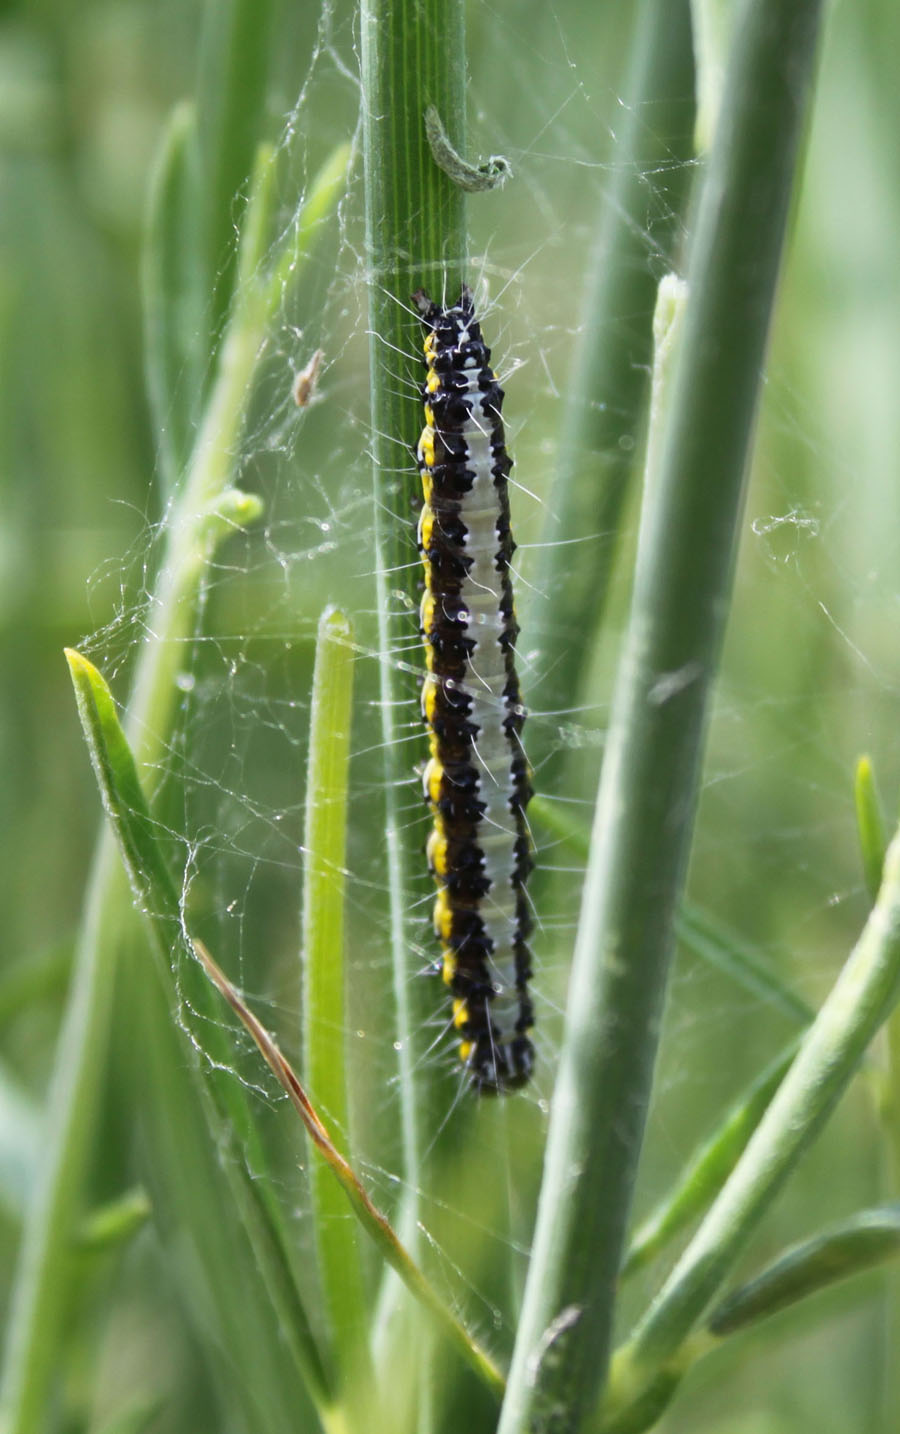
648	787
413	57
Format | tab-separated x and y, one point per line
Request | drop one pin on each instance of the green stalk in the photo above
843	1250
858	1004
203	513
324	1019
650	775
604	412
412	57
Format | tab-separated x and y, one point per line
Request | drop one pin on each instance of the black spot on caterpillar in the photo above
476	780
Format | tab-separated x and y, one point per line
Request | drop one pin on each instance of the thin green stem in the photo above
867	1239
648	788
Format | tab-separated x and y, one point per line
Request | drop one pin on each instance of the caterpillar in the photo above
476	780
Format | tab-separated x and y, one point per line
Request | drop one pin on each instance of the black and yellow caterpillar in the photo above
477	779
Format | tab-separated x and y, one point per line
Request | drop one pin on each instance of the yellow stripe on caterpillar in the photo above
442	917
436	851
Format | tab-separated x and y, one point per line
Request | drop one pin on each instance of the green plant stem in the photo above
857	1005
650	773
867	1239
412	57
604	411
324	1019
204	511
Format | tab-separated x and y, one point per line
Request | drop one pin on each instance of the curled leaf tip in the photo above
471	177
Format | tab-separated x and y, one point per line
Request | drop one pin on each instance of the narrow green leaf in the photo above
319	204
231	99
708	1168
122	795
174	297
860	1001
845	1249
257	301
650	776
869	825
324	1015
156	895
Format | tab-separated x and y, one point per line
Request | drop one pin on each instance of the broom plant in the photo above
353	1327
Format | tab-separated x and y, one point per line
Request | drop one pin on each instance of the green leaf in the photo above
847	1248
222	1098
324	1012
231	99
174	297
869	825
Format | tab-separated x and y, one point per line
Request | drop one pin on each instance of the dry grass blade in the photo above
370	1216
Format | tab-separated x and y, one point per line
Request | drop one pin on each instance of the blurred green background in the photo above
811	667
